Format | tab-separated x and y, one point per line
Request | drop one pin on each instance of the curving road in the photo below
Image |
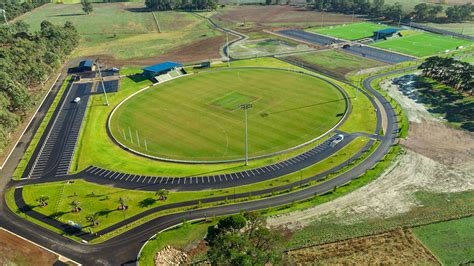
123	249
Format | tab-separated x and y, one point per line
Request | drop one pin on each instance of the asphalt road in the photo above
123	249
53	155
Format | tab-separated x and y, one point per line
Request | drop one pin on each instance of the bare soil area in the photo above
443	144
281	14
16	251
395	247
198	51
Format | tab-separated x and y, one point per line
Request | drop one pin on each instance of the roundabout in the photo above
197	119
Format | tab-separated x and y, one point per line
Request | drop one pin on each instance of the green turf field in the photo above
350	31
335	62
452	242
180	119
422	44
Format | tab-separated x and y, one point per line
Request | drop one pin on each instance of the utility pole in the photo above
4	15
102	81
245	107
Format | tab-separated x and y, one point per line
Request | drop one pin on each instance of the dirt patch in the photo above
194	52
395	247
281	14
388	195
441	143
171	256
16	251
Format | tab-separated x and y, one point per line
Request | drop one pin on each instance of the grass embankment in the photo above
452	242
334	62
34	142
199	119
466	28
180	237
124	30
422	44
104	199
350	31
94	142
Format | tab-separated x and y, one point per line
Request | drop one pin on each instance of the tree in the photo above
87	6
237	240
122	204
421	11
393	12
43	200
93	219
377	8
76	206
162	194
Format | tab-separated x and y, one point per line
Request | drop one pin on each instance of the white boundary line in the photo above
32	117
38	245
339	88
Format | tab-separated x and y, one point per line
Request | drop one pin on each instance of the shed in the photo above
86	65
385	33
159	69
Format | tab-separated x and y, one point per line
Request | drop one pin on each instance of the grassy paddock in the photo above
124	30
422	44
350	31
451	241
335	62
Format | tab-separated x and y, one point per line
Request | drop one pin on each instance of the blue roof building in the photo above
385	33
160	68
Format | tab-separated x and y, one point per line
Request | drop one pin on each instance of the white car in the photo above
77	99
337	140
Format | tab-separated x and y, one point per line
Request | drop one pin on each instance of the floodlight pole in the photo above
102	81
245	107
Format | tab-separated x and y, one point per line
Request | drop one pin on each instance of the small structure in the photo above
160	69
86	65
384	34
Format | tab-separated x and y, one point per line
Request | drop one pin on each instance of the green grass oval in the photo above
198	117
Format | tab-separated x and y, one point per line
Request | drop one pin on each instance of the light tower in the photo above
245	107
102	82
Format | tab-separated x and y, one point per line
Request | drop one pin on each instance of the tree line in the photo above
26	61
451	72
377	8
181	4
13	9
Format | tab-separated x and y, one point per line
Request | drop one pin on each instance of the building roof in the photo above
162	66
86	63
386	31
